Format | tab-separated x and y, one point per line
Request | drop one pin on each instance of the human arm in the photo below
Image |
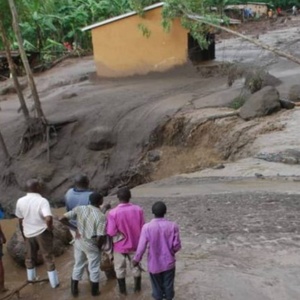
101	231
49	222
21	228
2	236
71	215
142	246
64	220
111	228
176	239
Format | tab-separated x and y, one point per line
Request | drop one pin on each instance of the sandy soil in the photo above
240	233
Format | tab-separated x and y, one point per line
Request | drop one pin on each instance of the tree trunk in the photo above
13	71
4	148
31	83
286	55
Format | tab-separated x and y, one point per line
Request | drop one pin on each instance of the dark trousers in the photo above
163	285
43	243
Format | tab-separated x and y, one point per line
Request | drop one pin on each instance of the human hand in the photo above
135	263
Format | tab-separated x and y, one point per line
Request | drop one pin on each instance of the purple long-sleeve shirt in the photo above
163	241
125	222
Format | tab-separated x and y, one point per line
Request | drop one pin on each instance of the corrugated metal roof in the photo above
121	17
108	21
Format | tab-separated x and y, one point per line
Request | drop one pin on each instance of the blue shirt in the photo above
75	197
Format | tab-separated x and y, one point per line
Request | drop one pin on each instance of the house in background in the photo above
122	49
257	8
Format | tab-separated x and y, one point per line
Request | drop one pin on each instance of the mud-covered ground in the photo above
240	237
236	245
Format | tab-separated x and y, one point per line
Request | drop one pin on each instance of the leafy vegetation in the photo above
238	102
52	26
48	26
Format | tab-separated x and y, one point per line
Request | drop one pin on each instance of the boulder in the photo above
286	104
9	88
294	93
261	103
288	156
256	79
69	95
154	155
16	245
99	138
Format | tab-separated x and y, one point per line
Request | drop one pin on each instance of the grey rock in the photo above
218	167
9	88
258	175
99	138
294	93
286	104
289	156
69	95
16	245
261	103
256	79
154	155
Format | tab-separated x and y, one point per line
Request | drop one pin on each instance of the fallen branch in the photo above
17	290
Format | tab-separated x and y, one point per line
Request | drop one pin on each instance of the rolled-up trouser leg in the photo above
120	265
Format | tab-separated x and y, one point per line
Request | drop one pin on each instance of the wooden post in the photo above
13	71
30	79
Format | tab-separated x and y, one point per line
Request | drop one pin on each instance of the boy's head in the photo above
159	209
96	199
81	181
124	194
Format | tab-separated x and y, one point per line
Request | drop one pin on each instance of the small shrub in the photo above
238	102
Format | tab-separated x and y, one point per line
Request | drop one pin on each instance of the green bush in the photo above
238	102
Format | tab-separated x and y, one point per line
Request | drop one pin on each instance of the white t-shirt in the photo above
33	209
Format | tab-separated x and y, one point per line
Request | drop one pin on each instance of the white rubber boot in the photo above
31	274
53	279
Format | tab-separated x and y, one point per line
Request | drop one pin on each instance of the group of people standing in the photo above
93	230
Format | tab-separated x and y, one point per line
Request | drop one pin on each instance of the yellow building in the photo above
130	44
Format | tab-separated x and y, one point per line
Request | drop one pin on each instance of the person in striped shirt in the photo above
90	235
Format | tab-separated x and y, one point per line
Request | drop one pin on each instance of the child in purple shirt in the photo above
162	239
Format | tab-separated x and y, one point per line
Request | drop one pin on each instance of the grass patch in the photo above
238	102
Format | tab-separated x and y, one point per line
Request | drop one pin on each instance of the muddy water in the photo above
15	276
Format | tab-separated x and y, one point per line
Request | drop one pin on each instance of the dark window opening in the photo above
196	54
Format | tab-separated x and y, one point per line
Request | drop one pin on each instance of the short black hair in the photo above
33	185
96	198
81	181
159	209
124	194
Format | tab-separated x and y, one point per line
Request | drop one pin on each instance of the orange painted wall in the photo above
120	49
